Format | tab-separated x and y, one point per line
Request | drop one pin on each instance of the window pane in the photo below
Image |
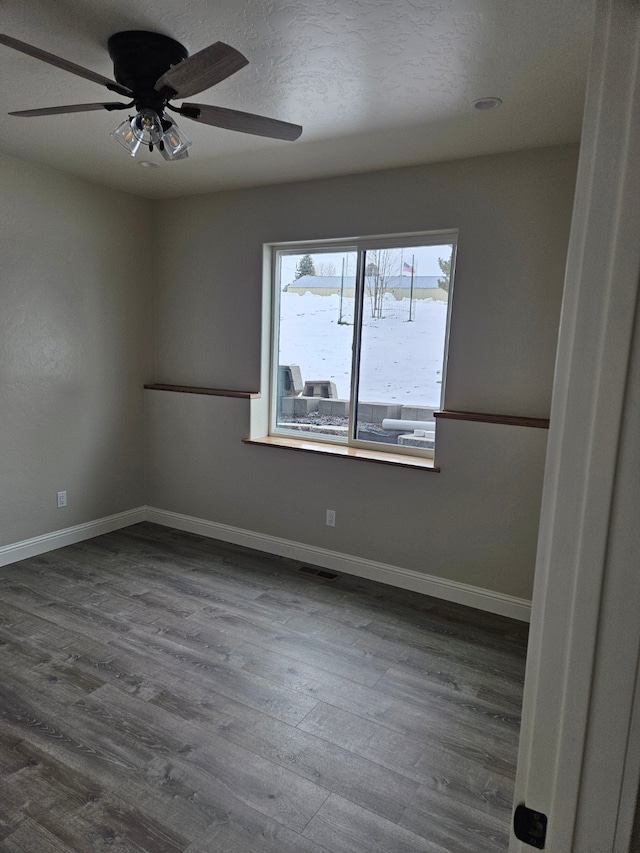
317	298
402	344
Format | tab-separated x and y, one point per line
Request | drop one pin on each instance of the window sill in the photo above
383	457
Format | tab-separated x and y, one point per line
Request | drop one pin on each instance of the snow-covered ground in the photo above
401	361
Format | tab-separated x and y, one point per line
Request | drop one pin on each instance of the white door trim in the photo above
579	755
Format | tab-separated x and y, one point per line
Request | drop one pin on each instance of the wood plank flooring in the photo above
167	693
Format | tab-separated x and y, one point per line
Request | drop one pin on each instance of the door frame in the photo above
579	754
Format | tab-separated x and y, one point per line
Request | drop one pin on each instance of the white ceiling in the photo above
375	84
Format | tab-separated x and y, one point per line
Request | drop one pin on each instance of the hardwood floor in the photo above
168	693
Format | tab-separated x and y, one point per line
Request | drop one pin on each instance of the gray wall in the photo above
513	213
75	348
82	267
475	522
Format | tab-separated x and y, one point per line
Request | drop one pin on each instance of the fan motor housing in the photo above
140	58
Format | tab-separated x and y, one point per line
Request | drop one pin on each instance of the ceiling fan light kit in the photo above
175	145
152	69
148	130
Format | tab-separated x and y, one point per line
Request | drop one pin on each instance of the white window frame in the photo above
358	245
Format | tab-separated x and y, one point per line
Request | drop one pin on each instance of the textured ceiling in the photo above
375	84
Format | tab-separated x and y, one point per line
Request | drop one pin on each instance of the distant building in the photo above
424	286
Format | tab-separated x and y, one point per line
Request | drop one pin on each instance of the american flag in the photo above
407	268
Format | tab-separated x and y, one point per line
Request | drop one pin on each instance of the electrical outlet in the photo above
331	518
61	499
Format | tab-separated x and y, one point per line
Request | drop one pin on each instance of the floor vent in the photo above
319	574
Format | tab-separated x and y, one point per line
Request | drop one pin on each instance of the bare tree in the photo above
382	265
325	268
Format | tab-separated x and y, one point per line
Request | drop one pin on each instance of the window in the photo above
359	340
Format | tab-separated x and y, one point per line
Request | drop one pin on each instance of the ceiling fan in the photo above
151	70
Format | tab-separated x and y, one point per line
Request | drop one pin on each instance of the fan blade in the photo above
202	70
52	59
72	108
242	122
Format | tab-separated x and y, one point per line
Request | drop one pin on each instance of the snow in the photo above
401	360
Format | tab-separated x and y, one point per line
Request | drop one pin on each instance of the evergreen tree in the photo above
445	268
305	266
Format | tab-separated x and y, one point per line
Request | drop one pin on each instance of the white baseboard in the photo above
460	593
69	536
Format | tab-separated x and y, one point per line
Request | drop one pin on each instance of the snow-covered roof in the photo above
323	281
393	282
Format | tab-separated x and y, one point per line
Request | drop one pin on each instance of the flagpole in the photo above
411	292
400	283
